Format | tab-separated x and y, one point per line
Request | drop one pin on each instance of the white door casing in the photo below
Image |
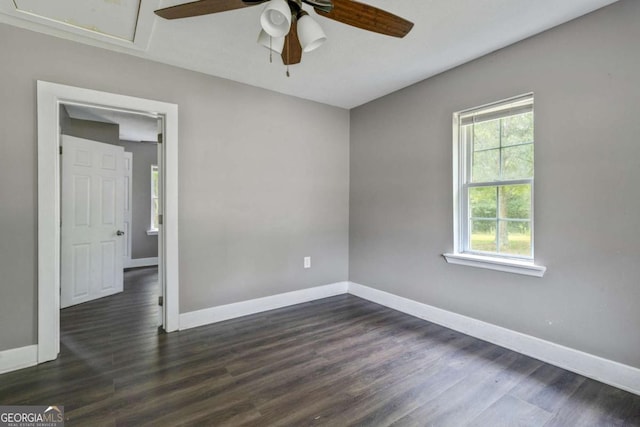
50	96
128	211
161	180
92	202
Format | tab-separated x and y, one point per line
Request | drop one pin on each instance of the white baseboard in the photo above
244	308
18	358
607	371
141	262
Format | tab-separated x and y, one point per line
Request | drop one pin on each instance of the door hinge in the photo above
160	219
61	150
159	138
160	301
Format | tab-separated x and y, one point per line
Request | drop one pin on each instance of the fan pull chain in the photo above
288	56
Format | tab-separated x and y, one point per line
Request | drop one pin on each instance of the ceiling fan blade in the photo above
292	50
203	7
367	17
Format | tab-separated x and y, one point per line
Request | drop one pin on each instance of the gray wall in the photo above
256	193
108	133
587	197
144	155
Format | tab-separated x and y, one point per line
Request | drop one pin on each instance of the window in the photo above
493	179
153	229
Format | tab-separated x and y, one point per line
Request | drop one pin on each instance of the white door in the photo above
128	212
92	220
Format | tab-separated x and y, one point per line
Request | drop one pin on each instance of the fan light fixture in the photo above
309	32
276	21
276	18
275	44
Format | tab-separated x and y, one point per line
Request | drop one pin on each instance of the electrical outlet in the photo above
307	262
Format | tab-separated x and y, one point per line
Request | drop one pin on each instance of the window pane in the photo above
483	236
154	197
483	202
154	182
515	238
517	162
496	146
486	135
154	215
517	129
515	201
486	165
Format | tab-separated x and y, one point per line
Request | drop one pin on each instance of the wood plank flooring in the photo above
340	361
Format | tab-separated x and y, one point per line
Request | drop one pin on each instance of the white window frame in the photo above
461	255
152	231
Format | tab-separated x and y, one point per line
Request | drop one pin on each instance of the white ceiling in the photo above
353	67
133	127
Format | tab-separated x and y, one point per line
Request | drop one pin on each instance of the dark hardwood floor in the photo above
336	362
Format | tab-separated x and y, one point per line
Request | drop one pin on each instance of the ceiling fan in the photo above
289	30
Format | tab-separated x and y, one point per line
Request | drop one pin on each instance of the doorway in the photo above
110	195
50	97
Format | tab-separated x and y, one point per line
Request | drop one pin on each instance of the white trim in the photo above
142	262
129	212
498	264
220	313
458	177
607	371
50	96
18	358
169	210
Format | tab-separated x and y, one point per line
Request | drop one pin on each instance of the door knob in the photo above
120	233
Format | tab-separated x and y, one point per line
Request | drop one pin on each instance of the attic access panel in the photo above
113	18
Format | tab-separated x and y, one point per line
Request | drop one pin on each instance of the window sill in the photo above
152	232
499	264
